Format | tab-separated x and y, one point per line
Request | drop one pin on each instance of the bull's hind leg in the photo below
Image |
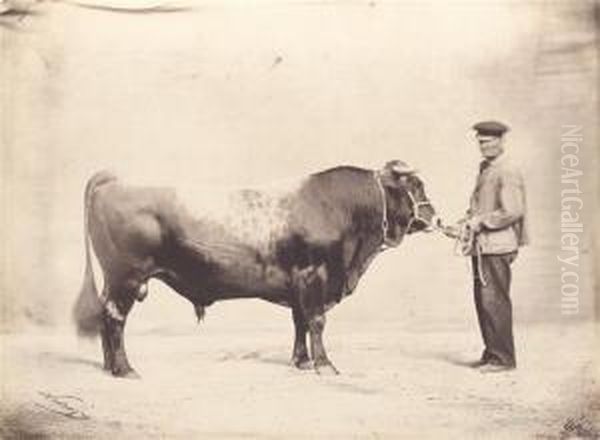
107	350
300	357
311	289
114	317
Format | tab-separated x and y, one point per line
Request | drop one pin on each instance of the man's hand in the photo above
455	230
452	231
474	223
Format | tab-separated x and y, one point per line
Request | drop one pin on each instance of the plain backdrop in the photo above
229	93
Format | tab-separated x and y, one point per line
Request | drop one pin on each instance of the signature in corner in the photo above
65	405
580	427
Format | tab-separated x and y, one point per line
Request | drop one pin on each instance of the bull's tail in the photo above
87	311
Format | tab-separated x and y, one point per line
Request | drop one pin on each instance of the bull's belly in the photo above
252	281
228	272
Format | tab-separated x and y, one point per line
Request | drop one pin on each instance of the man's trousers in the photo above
494	307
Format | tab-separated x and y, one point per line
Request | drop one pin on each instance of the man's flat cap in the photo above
490	128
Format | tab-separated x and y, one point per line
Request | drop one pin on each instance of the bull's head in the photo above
408	208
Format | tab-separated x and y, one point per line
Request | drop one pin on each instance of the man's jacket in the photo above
499	203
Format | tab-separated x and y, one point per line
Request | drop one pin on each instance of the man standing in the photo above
496	218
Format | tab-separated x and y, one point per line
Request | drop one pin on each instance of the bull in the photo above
302	245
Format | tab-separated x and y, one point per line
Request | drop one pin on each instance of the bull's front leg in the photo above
300	357
311	289
322	364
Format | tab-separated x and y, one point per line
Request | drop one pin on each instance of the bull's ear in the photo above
396	172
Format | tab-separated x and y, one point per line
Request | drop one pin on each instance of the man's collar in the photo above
496	160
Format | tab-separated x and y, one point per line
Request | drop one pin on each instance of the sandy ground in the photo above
214	382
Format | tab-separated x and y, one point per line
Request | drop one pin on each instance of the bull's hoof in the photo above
326	369
125	372
303	363
200	312
141	293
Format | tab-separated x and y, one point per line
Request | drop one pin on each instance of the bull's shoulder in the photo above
333	203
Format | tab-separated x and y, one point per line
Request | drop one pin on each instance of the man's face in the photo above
490	146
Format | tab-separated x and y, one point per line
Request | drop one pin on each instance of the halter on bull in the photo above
322	237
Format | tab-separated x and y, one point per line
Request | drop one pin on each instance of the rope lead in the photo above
466	240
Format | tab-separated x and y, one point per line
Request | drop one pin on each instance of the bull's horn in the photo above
400	167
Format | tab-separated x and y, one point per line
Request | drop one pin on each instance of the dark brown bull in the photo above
303	246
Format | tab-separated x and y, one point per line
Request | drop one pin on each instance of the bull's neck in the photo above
355	192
